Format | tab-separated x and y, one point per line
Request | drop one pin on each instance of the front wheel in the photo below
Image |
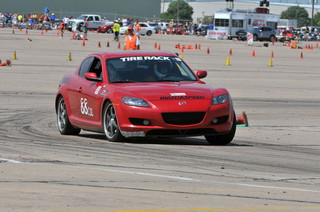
110	124
255	38
64	125
272	38
149	33
225	138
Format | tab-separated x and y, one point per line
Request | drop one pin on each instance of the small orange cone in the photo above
108	44
119	47
41	33
12	31
272	54
99	45
155	45
289	44
230	52
57	33
301	55
317	45
159	47
242	119
253	54
84	43
182	49
20	29
178	46
208	50
27	32
73	36
311	47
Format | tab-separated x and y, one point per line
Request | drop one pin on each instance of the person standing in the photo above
137	28
85	28
116	30
132	41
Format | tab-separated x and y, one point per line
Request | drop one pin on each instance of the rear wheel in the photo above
149	33
110	124
64	125
225	138
255	37
109	30
272	38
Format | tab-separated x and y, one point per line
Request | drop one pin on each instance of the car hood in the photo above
166	90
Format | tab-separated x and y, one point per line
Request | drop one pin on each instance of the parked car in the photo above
146	29
156	26
107	28
263	33
177	29
126	94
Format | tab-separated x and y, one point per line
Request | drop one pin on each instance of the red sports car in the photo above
127	94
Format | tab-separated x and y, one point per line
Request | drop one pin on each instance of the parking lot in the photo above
272	165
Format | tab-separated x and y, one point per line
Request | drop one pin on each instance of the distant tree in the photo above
316	19
178	10
298	13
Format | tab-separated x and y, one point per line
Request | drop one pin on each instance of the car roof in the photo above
123	53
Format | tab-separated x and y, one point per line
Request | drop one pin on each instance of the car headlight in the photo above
217	100
134	102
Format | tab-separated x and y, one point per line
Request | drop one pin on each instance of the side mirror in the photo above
201	74
92	77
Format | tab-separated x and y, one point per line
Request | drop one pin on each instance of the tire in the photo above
225	138
109	30
149	33
255	37
110	124
64	125
272	38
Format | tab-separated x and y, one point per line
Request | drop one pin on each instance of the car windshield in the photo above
148	69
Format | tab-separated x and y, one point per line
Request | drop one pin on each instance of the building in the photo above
110	9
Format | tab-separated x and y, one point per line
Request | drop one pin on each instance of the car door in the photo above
86	96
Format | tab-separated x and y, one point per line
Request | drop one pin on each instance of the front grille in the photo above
183	118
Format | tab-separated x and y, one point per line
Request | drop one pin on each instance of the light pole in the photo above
312	12
178	3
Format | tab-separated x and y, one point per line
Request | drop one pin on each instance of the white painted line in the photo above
10	161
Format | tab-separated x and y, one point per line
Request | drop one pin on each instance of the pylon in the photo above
73	36
83	43
27	32
178	46
20	28
230	52
208	50
199	47
57	33
14	56
311	47
69	57
242	119
253	54
41	33
99	45
12	31
272	54
317	45
289	44
181	56
270	62
159	47
182	49
228	61
155	45
108	44
119	47
301	55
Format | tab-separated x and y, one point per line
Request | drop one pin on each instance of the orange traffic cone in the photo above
301	55
83	43
159	47
20	28
289	44
272	54
208	50
178	46
242	119
12	31
73	36
108	44
155	45
311	47
119	47
57	33
27	32
230	52
253	54
99	45
41	33
182	49
317	45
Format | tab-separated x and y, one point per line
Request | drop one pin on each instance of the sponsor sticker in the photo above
98	89
161	58
177	94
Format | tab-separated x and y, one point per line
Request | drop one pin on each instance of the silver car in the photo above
263	33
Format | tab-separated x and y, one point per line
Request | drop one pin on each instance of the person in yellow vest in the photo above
132	41
116	30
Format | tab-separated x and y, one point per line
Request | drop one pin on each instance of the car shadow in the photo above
188	141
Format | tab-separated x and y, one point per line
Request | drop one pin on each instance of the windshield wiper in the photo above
124	81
